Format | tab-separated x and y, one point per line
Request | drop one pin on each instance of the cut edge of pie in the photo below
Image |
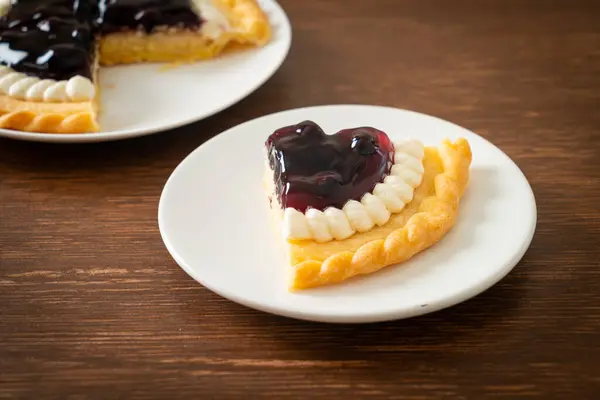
425	221
249	25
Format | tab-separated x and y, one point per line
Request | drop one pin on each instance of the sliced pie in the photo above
50	50
352	203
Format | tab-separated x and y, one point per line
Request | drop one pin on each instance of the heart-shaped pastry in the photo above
312	169
354	202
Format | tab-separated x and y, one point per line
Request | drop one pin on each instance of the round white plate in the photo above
139	100
214	220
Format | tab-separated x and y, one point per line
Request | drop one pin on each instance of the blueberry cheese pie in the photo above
354	202
50	50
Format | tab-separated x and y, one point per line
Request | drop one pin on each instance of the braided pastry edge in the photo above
435	217
29	121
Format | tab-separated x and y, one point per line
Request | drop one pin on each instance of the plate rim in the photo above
125	134
462	295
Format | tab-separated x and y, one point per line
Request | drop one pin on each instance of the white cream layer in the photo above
215	21
25	87
375	208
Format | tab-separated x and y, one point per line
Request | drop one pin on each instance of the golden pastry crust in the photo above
424	221
38	116
248	20
249	26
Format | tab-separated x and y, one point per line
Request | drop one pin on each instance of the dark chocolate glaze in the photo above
55	39
312	169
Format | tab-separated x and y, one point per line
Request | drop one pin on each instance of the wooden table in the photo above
93	306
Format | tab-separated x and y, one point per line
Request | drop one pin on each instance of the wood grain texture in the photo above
92	305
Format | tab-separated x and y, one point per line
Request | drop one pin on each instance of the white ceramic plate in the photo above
139	100
213	218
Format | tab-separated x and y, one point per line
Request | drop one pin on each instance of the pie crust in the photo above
32	116
423	222
249	24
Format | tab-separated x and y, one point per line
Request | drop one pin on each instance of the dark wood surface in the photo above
92	305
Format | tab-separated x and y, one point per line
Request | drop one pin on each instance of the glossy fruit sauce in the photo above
119	15
312	169
56	39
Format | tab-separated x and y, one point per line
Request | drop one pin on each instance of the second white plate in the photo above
214	220
143	99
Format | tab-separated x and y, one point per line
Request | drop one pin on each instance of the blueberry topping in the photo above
312	169
56	39
364	143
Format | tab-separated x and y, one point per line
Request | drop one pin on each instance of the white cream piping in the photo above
215	22
25	87
376	208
